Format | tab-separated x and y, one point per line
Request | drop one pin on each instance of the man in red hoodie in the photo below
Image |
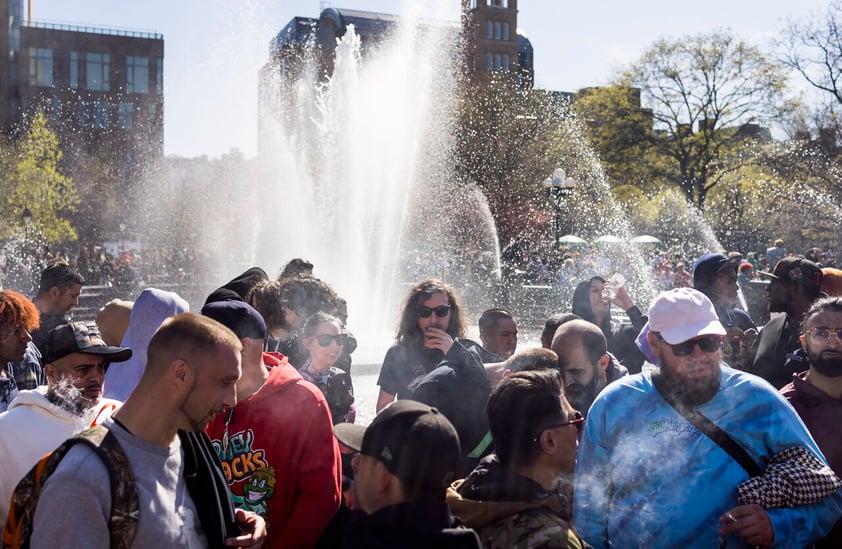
276	445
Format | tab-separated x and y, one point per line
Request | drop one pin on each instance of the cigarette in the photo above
730	517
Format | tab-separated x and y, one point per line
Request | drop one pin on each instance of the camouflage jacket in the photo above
510	511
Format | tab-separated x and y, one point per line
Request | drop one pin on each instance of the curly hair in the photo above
408	332
17	310
265	297
307	295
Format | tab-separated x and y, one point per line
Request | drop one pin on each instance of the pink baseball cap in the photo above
682	314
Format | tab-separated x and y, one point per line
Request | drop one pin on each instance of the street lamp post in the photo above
559	186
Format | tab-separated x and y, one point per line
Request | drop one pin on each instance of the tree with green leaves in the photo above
709	95
508	142
31	178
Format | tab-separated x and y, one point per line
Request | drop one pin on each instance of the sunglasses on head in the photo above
578	421
441	311
707	344
325	339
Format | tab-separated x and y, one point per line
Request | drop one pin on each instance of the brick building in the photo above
101	87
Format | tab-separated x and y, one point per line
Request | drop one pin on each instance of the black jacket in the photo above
419	524
621	339
459	388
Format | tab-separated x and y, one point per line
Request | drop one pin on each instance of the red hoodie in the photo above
280	457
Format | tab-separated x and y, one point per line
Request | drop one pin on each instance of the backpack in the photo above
122	523
339	393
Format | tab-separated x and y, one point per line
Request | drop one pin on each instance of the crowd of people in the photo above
235	426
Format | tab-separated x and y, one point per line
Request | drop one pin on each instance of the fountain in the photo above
359	178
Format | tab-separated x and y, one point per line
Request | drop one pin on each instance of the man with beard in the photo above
584	362
58	292
666	483
431	321
817	393
37	421
793	286
716	276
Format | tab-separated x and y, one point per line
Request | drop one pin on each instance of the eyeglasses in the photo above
707	344
325	339
822	335
441	311
578	420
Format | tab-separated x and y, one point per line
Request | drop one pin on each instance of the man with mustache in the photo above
817	393
666	482
75	359
584	362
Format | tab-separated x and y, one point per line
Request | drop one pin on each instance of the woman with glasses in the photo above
324	340
430	321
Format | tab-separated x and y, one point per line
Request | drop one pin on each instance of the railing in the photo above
112	31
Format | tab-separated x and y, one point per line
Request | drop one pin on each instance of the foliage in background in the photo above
30	177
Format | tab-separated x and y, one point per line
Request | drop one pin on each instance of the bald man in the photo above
584	362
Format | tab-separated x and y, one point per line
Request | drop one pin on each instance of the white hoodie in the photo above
32	427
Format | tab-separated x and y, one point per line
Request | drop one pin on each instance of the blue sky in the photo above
214	48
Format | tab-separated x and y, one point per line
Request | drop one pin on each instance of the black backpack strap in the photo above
208	488
709	428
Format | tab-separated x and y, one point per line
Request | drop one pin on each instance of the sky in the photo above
214	48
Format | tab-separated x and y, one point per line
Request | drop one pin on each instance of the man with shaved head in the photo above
584	362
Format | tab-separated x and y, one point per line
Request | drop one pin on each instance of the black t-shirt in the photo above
404	367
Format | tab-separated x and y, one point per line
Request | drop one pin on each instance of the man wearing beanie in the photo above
276	445
794	285
716	276
647	452
406	458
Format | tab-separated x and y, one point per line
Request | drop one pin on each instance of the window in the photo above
497	30
102	111
82	116
137	74
489	29
497	63
40	67
506	63
159	76
506	31
98	67
125	116
74	69
489	61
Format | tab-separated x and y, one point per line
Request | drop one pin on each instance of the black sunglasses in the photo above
707	344
578	421
325	339
441	311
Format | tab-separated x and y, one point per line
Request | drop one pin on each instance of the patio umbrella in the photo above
645	239
571	240
608	239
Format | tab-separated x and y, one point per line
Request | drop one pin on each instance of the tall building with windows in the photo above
306	46
492	43
102	88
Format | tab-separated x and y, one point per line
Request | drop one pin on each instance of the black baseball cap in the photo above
81	337
415	442
797	270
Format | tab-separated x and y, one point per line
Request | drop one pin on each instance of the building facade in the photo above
488	33
102	88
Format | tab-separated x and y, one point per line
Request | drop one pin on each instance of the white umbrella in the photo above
608	239
571	239
646	239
